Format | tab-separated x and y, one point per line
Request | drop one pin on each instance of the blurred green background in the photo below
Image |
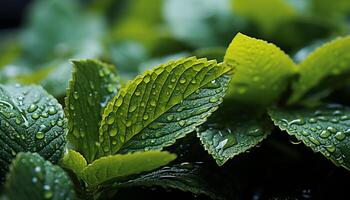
39	37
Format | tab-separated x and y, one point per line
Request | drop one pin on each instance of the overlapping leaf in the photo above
162	105
330	60
31	120
117	166
262	71
325	129
73	161
227	134
186	177
94	83
31	177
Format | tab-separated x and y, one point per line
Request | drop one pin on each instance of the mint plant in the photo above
119	134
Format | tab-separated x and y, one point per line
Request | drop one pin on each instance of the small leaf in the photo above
186	177
30	120
74	161
117	166
330	60
225	137
262	71
31	177
94	83
162	105
325	129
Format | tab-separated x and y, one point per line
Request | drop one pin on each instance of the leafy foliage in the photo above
262	70
111	167
323	60
184	176
162	105
31	120
32	177
325	129
93	85
225	138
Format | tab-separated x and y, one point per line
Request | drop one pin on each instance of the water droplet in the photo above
35	116
71	106
304	133
75	95
113	131
331	129
146	79
186	165
34	180
344	117
52	110
37	169
241	89
119	101
330	148
194	81
322	118
312	120
170	117
137	93
128	123
39	135
334	120
182	123
132	108
48	195
314	140
173	80
213	99
110	119
153	103
182	80
145	116
340	136
325	134
110	88
32	108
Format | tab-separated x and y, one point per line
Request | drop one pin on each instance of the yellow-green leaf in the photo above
262	71
74	161
116	166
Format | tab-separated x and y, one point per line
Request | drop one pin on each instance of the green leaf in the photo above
186	177
117	166
262	71
330	60
227	134
325	129
30	120
93	84
162	105
74	161
34	178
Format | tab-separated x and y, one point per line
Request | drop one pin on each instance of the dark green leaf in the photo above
94	83
162	105
31	120
325	129
31	177
227	134
186	177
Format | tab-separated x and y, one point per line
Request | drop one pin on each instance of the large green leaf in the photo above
330	60
262	70
227	134
325	129
31	177
162	105
73	161
94	83
186	177
31	120
117	166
